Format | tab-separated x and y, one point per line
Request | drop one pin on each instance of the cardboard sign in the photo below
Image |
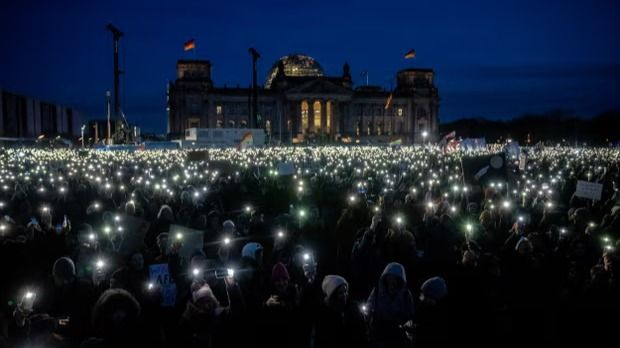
192	240
134	230
160	275
286	168
589	190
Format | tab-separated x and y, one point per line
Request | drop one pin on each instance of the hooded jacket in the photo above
386	312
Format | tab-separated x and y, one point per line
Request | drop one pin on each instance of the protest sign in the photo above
134	230
192	240
286	168
589	190
159	274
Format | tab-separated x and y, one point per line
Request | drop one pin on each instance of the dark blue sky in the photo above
494	59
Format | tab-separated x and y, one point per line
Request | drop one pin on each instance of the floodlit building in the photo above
299	102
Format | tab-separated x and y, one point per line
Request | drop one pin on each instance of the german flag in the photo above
189	45
410	54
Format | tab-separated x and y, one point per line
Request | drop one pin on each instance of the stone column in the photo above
324	116
310	116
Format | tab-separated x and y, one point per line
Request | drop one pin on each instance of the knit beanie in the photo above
331	283
64	268
279	272
434	288
249	250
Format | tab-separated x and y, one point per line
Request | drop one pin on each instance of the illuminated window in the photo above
289	125
304	116
218	109
379	127
368	128
193	123
328	111
388	127
358	129
231	124
244	124
219	124
317	116
400	112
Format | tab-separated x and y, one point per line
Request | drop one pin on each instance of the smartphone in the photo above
222	273
27	301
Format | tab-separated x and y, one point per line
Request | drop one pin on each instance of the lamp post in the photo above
83	128
108	95
424	136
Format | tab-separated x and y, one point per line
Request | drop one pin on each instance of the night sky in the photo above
493	59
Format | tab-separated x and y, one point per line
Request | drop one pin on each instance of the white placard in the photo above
589	190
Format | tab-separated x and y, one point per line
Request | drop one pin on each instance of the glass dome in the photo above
295	65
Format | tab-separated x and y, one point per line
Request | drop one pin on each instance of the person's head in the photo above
280	278
136	261
63	272
204	299
433	289
162	243
165	213
130	208
394	278
116	314
253	251
336	290
524	247
472	208
486	220
228	227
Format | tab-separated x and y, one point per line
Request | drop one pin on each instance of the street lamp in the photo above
424	135
83	128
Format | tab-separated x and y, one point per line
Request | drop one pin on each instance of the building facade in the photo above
299	103
25	117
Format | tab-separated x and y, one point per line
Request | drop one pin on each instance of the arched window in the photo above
317	116
268	127
304	116
231	124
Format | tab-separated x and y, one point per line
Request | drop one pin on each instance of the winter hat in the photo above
395	269
228	224
434	288
249	250
202	292
64	268
279	272
331	283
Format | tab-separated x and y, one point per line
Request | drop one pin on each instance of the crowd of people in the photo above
307	247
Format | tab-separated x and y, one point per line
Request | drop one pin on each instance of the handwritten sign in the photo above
589	190
160	275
